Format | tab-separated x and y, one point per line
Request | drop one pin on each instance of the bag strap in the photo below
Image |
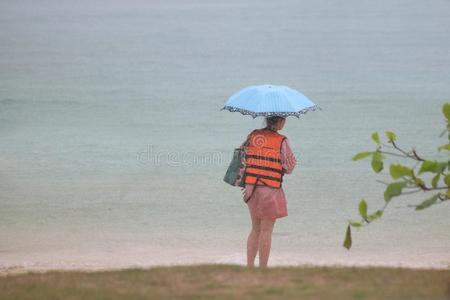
253	191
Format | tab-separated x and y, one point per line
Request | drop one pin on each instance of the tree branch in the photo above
414	156
411	192
394	154
417	156
401	150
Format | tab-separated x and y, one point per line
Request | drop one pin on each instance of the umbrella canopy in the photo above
270	100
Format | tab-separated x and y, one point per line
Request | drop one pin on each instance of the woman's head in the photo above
275	122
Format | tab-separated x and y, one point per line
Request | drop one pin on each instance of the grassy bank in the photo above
231	282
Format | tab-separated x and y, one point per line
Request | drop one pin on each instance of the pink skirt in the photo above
266	202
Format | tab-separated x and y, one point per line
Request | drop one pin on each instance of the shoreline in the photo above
21	269
150	257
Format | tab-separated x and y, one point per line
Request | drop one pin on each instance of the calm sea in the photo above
113	146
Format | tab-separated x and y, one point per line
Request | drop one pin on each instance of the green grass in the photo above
231	282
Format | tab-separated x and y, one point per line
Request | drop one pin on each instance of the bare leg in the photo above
265	240
253	241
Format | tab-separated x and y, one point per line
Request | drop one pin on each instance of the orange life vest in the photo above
263	158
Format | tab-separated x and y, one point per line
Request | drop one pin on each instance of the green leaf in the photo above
377	162
375	137
348	238
398	171
435	180
375	215
361	155
441	166
444	147
428	166
394	189
446	111
419	181
363	209
427	202
391	136
447	180
355	224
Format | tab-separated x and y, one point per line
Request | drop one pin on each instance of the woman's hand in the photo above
243	191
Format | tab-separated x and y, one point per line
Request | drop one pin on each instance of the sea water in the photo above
113	146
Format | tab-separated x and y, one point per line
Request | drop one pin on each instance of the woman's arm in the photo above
241	171
287	157
248	137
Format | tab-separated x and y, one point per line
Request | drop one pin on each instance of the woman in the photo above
268	158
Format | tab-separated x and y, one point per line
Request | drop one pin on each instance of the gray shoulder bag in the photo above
232	176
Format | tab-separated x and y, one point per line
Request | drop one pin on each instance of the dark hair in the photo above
271	121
